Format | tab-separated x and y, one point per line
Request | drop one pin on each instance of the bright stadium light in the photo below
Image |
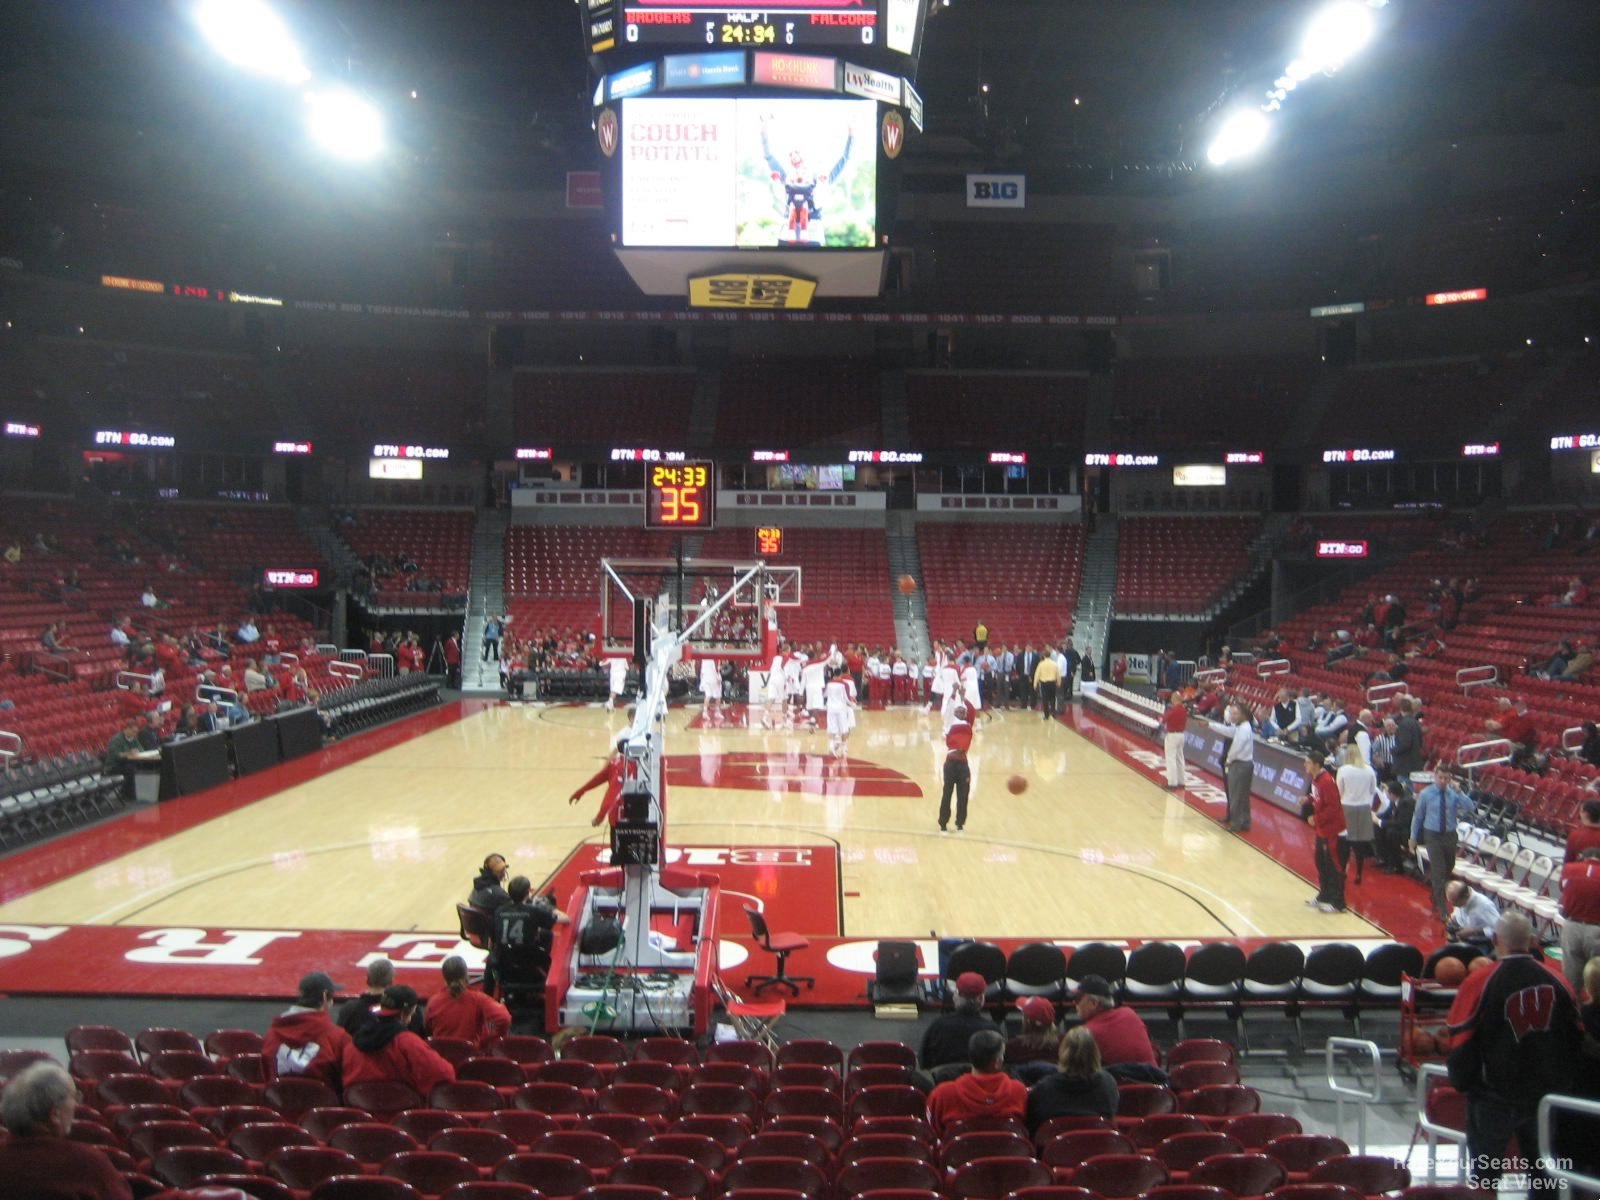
1240	135
344	124
1337	34
248	34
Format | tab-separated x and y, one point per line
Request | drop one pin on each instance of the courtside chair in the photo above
780	945
984	958
1037	969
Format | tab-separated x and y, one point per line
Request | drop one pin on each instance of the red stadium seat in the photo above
371	1142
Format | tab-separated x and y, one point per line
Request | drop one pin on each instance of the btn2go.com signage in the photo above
997	191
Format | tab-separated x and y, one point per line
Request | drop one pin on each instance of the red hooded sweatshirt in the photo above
305	1041
975	1095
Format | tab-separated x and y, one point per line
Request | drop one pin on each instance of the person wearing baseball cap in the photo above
1038	1041
1119	1032
303	1040
948	1040
384	1048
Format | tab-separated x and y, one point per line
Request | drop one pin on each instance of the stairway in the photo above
1091	620
910	611
486	594
339	556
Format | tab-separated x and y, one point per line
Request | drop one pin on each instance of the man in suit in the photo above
1027	660
1069	669
1407	740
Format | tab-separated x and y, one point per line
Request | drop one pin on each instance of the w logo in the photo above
1531	1010
894	133
605	131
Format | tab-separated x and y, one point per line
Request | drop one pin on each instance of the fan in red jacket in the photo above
985	1091
460	1012
303	1040
383	1048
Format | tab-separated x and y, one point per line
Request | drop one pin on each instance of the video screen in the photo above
749	173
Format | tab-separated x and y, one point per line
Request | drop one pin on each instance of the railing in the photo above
126	679
57	666
1498	750
1551	1160
289	658
355	656
1380	694
10	744
327	649
1186	670
1433	1133
345	669
1568	741
1363	1096
381	665
1210	675
1468	678
1269	667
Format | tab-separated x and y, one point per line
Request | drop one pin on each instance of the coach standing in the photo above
1440	808
957	774
1238	764
1046	677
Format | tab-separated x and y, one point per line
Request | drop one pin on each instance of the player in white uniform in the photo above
793	682
814	679
619	683
948	683
936	688
711	687
840	704
969	686
774	688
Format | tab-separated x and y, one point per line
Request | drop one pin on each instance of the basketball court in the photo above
366	848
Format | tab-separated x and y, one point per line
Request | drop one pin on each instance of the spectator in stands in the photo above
1080	1086
493	627
122	633
947	1040
193	723
1038	1041
123	751
149	599
1580	911
218	642
39	1161
1086	667
1586	834
380	978
984	1091
1589	751
303	1040
1555	666
1396	803
247	633
384	1047
1473	916
1514	1038
1120	1032
299	689
1440	808
271	647
52	640
461	1012
1333	723
255	679
488	889
1582	660
452	661
1514	722
13	554
1326	814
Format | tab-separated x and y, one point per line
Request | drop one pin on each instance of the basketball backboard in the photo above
637	594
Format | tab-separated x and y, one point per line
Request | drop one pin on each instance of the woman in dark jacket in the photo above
1081	1087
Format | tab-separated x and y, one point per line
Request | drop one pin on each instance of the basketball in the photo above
1016	785
907	584
1482	963
1450	972
1422	1044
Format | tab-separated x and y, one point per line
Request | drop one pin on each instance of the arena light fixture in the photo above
249	35
1241	134
344	124
1336	34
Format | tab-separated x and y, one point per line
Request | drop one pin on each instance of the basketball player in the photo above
840	705
774	690
971	688
794	683
957	774
619	683
949	679
814	679
936	689
711	688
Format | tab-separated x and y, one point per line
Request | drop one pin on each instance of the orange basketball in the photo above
907	584
1422	1044
1482	963
1450	972
1016	785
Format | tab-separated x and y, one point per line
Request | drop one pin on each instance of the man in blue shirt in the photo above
1440	807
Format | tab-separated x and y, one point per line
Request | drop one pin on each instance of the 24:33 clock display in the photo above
680	496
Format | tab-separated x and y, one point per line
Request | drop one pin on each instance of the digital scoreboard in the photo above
623	29
680	496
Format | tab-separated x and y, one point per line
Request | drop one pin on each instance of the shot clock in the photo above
680	496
